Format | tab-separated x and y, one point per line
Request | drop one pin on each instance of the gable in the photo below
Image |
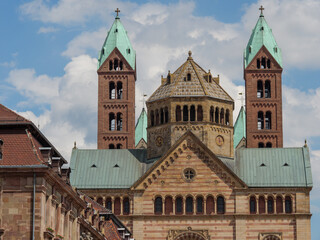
263	52
189	153
115	54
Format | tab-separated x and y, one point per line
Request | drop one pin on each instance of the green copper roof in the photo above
117	38
109	168
239	127
141	127
261	36
274	167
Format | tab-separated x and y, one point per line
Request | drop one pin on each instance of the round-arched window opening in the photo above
189	174
1	142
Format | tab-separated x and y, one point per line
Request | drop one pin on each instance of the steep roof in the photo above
261	36
141	127
239	127
9	116
179	86
107	168
117	38
274	167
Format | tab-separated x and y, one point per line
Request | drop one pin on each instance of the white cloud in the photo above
315	167
47	30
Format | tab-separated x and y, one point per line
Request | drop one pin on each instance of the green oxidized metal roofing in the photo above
261	36
274	167
141	127
117	38
239	127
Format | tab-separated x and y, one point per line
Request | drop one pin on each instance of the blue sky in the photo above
49	50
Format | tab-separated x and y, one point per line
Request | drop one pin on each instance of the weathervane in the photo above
261	9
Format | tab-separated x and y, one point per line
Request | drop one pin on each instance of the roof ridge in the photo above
14	113
176	78
200	80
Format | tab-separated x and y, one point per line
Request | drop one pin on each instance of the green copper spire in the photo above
239	127
117	38
261	36
141	127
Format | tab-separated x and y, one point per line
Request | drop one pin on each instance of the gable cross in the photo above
261	9
117	11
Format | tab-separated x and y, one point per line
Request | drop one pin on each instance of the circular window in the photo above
189	174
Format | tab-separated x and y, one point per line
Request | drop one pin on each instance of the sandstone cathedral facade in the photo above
185	171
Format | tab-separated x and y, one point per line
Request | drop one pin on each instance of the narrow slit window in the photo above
260	121
192	113
119	90
178	113
185	113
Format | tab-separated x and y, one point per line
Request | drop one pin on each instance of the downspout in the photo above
33	204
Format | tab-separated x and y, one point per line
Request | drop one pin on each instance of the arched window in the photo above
110	65
192	113
158	205
1	144
271	237
161	116
112	90
262	205
263	63
260	145
152	118
168	79
269	145
157	117
220	205
100	201
189	205
179	205
119	121
199	113
126	206
259	89
267	89
268	63
270	205
121	65
199	205
216	116
211	114
112	122
227	117
253	208
166	115
279	204
288	204
222	116
117	206
168	203
109	203
119	146
188	77
111	146
260	120
210	205
258	63
268	120
119	90
116	64
185	113
178	113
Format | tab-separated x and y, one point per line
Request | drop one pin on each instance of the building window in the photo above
260	145
109	203
217	115
268	63
211	114
188	77
119	121
111	146
161	116
189	174
253	205
288	204
117	206
279	204
260	120
158	205
179	203
166	115
210	205
178	113
262	205
259	89
110	65
168	205
116	64
119	90
192	113
157	117
258	63
199	113
121	65
185	113
1	145
189	205
152	118
112	122
119	146
270	205
269	145
222	116
199	205
126	206
112	90
263	63
227	117
220	205
267	89
268	120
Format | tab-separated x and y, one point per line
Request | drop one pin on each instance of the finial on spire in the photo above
117	11
241	98
75	145
261	9
189	53
305	143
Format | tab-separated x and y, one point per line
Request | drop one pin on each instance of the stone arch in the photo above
271	237
189	235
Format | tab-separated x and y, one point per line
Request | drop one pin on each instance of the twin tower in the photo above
190	98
